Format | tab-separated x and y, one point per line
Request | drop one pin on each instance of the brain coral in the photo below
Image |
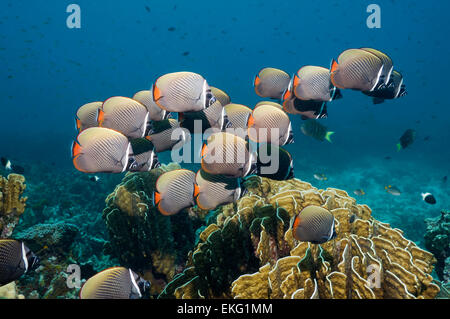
367	259
12	204
141	237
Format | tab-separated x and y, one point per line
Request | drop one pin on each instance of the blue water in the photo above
48	71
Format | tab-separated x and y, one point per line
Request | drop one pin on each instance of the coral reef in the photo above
437	241
63	225
221	255
143	239
9	291
12	204
49	281
53	244
53	237
58	246
368	258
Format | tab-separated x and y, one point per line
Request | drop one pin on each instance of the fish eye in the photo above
211	99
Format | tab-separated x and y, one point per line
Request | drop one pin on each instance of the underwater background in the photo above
48	71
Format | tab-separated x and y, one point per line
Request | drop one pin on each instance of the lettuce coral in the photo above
12	204
368	259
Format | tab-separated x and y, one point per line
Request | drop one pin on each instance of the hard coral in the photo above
222	255
367	259
12	204
55	238
437	240
141	237
10	292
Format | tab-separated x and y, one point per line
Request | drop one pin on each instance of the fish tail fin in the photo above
328	136
399	147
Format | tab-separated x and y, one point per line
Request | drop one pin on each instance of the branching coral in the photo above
367	259
12	204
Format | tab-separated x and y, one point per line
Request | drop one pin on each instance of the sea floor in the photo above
407	211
